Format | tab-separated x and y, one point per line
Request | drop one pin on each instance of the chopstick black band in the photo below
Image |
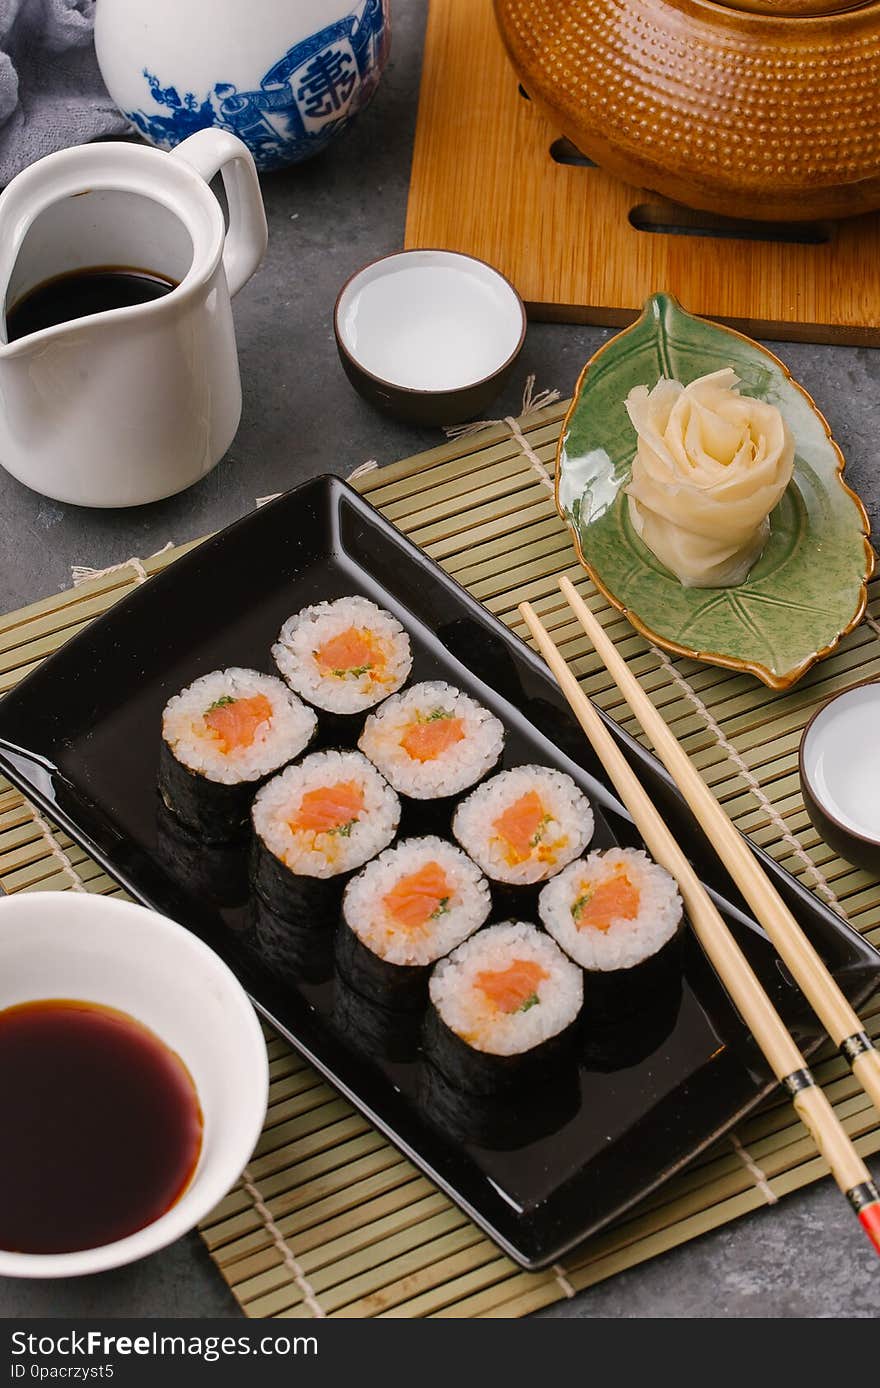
861	1196
851	1047
798	1080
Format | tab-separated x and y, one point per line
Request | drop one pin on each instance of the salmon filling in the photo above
420	897
234	722
599	907
329	809
428	738
514	989
522	826
350	654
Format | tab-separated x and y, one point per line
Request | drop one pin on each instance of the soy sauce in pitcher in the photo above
82	292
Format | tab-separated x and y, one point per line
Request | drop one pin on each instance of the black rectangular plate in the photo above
80	736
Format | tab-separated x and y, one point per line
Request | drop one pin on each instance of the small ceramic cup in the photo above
429	336
116	954
839	764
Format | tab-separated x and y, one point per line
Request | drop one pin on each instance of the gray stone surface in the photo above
805	1258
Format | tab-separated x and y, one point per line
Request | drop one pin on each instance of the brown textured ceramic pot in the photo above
839	766
429	336
769	109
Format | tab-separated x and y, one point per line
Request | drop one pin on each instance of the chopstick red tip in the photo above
869	1218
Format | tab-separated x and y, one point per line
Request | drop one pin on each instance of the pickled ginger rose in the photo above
710	466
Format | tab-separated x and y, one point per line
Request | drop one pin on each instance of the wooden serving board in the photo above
492	178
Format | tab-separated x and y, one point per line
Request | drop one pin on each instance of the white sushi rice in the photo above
463	911
466	1009
276	742
626	942
347	692
564	835
328	853
458	767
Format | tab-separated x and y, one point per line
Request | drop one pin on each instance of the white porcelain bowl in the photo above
72	945
839	764
429	336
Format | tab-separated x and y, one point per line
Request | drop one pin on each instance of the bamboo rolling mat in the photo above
329	1219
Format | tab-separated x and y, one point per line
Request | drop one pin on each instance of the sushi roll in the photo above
314	825
382	1034
217	873
610	1041
221	736
294	954
619	916
403	912
431	742
343	657
502	1007
495	1121
524	825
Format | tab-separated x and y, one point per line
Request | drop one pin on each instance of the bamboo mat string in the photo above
562	1278
754	1171
543	475
369	466
82	573
531	403
287	1255
56	851
754	784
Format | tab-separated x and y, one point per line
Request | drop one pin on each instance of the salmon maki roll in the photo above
612	910
343	656
432	740
221	737
618	915
501	1005
314	825
404	911
525	825
374	1030
295	954
491	1120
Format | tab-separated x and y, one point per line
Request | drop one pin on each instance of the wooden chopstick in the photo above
731	965
812	977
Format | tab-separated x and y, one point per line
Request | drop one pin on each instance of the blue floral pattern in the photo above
305	99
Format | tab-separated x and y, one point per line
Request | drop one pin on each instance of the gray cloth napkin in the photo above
51	93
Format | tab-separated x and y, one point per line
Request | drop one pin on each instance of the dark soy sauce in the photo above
79	293
102	1127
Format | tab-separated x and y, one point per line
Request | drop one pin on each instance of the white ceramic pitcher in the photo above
133	404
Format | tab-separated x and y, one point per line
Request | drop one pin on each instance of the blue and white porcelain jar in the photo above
286	76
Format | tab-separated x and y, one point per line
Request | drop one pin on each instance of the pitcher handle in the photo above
208	152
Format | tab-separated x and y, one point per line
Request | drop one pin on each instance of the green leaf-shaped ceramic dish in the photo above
809	587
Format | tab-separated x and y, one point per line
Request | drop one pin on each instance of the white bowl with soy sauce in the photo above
133	1083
